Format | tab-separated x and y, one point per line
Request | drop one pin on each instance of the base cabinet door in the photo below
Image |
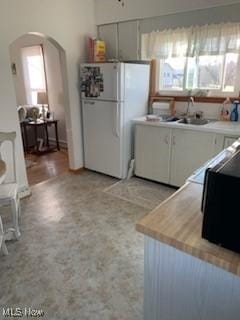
223	142
190	150
152	152
228	141
219	143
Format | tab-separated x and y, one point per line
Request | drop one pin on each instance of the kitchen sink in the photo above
151	117
194	121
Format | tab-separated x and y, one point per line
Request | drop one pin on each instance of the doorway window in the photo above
34	72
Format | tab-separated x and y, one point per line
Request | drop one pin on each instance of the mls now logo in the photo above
12	312
25	312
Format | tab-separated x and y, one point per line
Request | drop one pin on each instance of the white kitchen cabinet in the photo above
228	141
171	155
152	152
109	33
128	37
190	150
223	142
219	143
122	40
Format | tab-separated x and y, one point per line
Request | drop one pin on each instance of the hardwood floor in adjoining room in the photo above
43	167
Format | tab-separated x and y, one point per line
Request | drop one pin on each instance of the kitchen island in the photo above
186	277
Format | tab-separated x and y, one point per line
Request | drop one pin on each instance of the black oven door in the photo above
211	201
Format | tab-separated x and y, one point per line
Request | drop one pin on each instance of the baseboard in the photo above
62	143
24	192
79	170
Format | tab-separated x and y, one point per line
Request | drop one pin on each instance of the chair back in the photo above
10	137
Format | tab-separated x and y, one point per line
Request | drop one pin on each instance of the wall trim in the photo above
217	100
63	143
79	170
168	14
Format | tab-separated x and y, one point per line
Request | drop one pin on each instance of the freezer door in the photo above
100	81
103	137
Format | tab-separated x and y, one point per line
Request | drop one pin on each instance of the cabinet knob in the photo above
166	139
174	141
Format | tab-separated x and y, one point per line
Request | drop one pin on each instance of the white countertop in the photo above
221	127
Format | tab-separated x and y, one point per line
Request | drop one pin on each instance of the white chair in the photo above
9	192
2	239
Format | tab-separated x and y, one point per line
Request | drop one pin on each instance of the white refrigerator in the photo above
112	95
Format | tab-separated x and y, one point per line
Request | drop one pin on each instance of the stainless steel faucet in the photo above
190	102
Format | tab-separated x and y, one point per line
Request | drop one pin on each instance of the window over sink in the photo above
217	74
202	58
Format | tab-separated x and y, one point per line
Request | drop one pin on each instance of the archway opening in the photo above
40	79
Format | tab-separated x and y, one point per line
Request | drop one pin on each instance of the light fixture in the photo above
42	99
121	2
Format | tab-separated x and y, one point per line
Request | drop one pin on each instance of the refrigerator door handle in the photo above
116	122
118	84
89	102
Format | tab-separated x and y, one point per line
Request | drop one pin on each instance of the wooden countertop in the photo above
2	168
178	223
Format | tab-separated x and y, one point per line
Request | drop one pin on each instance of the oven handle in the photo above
205	187
116	129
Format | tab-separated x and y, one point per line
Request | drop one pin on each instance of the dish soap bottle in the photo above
226	110
234	113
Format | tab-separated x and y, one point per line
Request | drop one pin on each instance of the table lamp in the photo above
42	99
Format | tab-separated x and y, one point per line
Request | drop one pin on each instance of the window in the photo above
197	58
217	74
171	74
34	73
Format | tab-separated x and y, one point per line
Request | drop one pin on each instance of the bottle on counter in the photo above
234	114
226	110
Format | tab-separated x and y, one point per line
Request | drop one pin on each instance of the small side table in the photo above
35	125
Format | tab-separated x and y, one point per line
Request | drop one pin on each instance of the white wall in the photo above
55	90
68	22
108	11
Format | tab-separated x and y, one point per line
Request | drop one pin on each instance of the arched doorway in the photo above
42	164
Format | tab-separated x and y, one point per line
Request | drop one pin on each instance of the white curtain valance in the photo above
194	41
173	43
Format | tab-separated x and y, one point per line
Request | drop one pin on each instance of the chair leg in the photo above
19	207
15	213
3	246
